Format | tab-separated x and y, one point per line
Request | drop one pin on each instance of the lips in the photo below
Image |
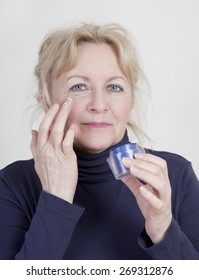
97	124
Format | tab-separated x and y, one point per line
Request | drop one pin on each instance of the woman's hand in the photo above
52	149
154	197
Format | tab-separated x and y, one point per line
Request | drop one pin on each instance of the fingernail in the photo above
68	101
138	155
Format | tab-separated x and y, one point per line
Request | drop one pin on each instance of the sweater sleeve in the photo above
181	241
45	236
51	229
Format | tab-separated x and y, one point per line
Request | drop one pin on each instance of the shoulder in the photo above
18	168
172	159
176	163
183	179
20	176
20	188
179	168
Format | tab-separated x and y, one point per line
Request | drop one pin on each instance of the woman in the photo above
66	203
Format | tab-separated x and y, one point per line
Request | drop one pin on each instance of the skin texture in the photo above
90	110
94	85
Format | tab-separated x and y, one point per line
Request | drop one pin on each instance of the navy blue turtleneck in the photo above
104	222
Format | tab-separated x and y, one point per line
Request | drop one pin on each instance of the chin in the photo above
96	141
93	148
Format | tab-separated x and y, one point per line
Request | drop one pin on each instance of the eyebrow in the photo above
87	79
77	76
116	77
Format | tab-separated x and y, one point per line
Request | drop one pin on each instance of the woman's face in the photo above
101	98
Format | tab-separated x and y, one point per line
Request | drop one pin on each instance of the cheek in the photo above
75	114
122	111
58	99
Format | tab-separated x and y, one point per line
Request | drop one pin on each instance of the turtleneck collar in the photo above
94	168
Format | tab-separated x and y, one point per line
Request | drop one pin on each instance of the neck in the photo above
94	167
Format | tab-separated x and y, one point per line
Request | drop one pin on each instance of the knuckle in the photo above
163	164
160	206
66	144
43	152
56	131
67	148
161	168
42	128
156	170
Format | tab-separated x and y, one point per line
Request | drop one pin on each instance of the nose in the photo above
98	103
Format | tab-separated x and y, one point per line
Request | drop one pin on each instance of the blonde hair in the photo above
58	54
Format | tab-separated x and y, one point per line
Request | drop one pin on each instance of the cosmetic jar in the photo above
115	158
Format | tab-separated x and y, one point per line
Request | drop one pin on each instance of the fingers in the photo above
154	197
148	168
53	125
157	163
68	140
46	124
148	162
58	128
153	171
155	202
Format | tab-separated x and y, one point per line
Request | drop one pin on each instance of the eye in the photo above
114	88
78	88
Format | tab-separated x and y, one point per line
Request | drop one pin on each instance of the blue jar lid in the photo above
124	148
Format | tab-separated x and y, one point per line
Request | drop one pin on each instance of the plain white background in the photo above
167	34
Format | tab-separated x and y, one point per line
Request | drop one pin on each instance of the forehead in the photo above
96	62
93	50
96	58
87	47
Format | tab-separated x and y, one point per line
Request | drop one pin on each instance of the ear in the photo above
45	103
